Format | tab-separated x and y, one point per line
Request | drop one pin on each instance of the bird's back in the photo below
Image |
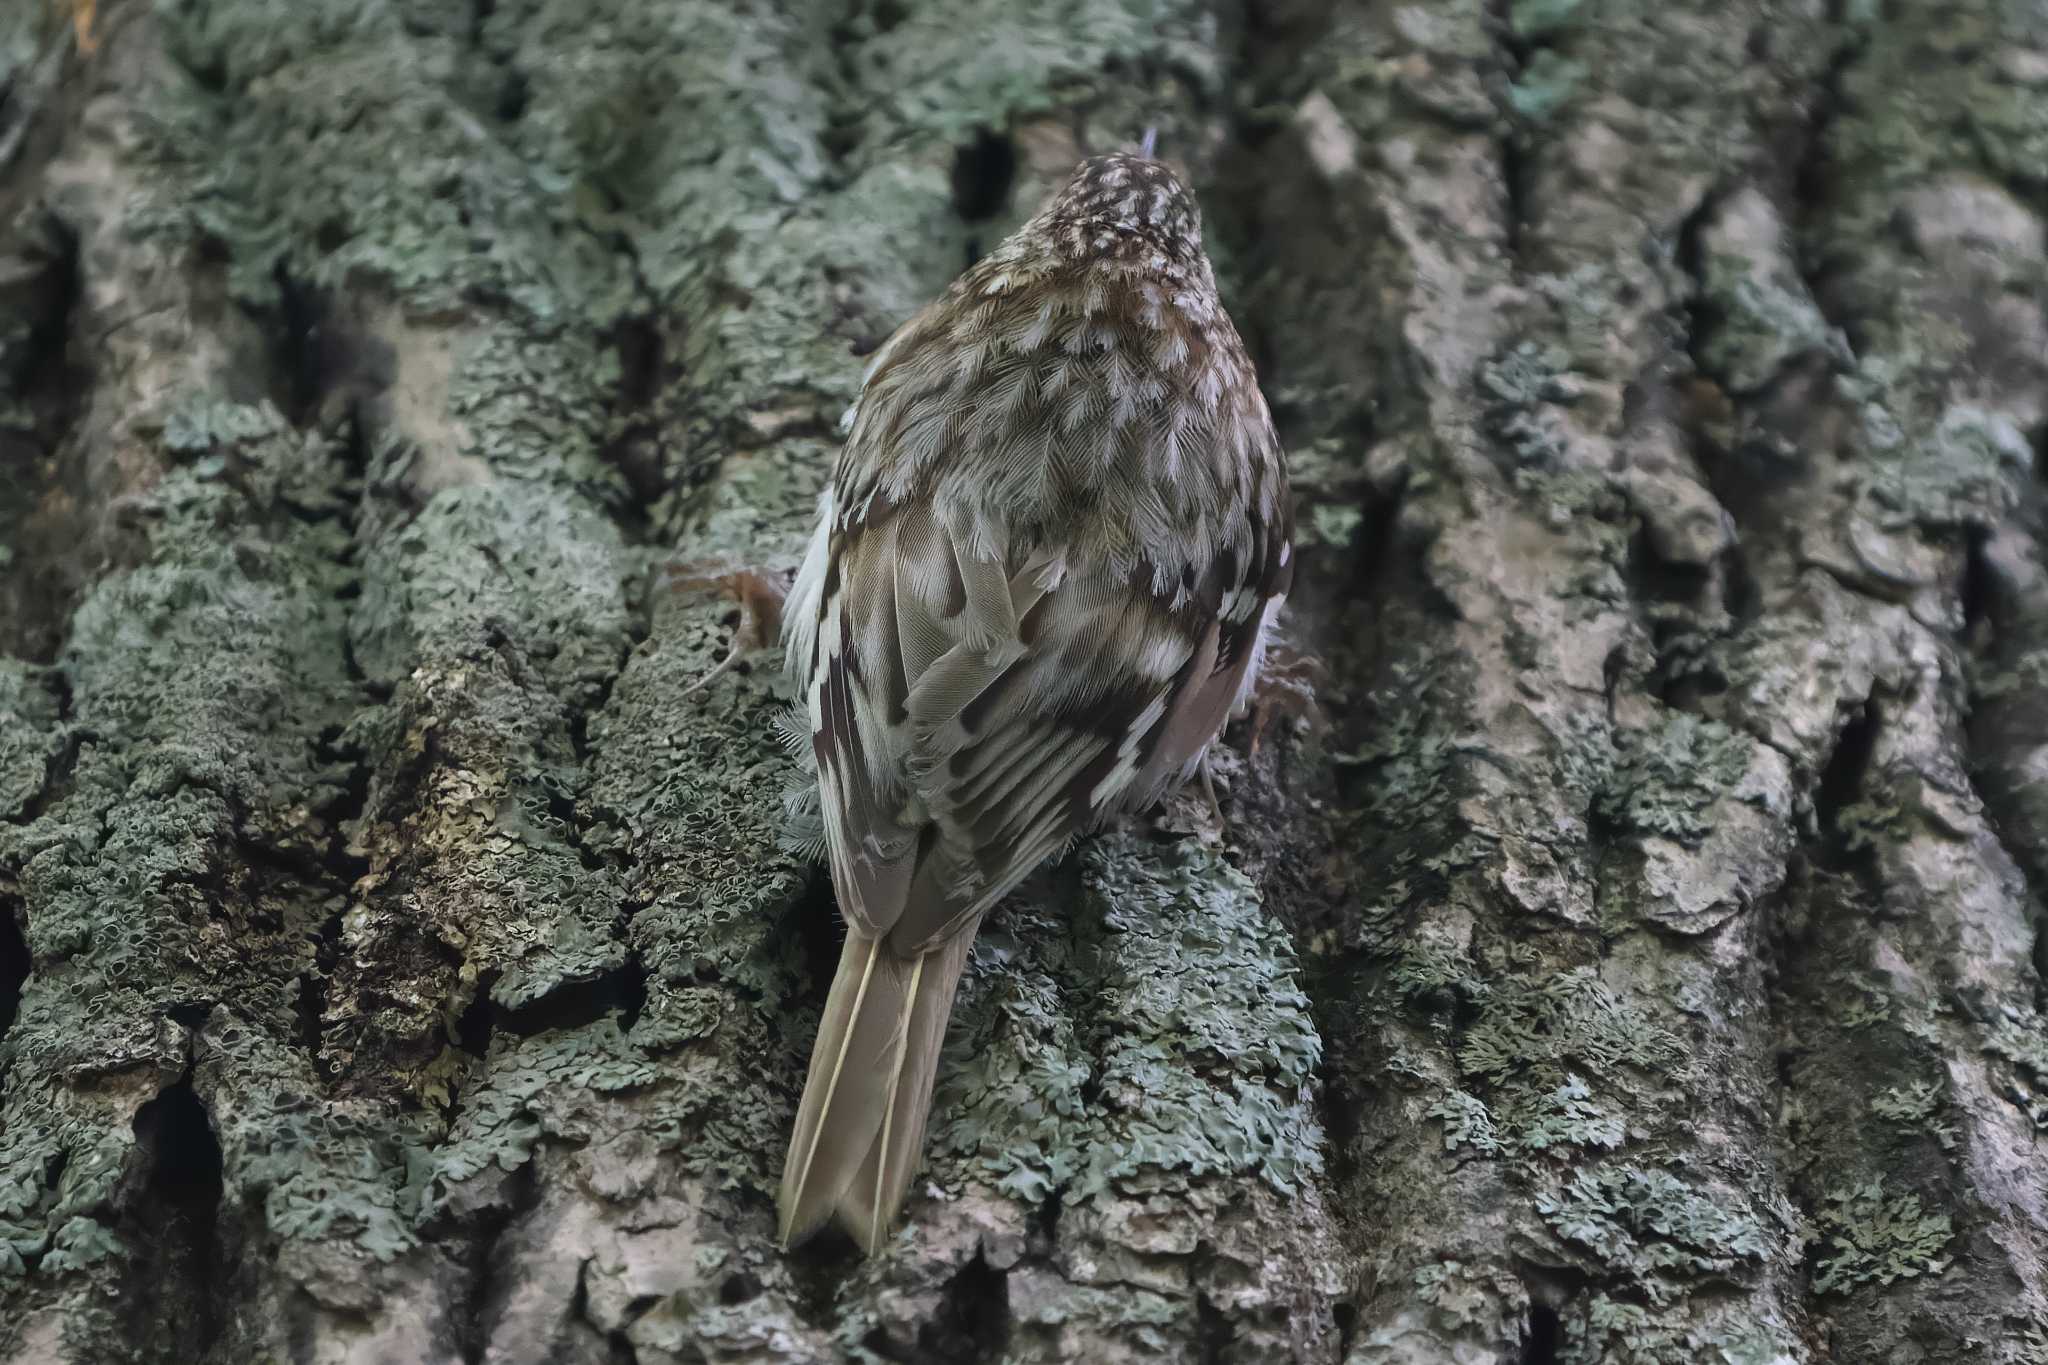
1043	576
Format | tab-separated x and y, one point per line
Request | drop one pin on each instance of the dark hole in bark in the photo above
738	1289
485	1307
582	1003
512	97
818	1269
333	234
185	1172
301	370
640	361
176	1223
1049	1214
632	998
1540	1336
983	172
1979	602
820	931
312	999
1842	783
973	1323
50	381
47	302
1215	1336
636	448
13	966
190	1013
475	1025
1743	598
1346	1316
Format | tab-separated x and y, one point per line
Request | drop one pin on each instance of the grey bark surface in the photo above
1643	966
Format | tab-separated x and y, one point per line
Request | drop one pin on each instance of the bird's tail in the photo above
860	1127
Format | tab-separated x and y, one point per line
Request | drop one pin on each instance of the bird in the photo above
1043	577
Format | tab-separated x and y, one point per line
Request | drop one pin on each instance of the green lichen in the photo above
1426	969
1458	1295
1546	85
1763	319
541	407
1408	776
1010	1092
1535	20
491	615
80	1244
1876	821
321	1174
506	558
53	1130
689	787
1653	1223
204	682
1668	778
1325	475
346	145
1530	1026
31	737
1908	1103
1967	112
1467	1123
528	1085
949	65
2021	1039
1602	523
1567	1116
1869	1236
1864	1001
1334	525
1524	386
1204	1040
1536	1039
1608	1331
1526	1055
2028	673
1966	471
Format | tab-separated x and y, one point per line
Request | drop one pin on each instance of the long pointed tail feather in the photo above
860	1127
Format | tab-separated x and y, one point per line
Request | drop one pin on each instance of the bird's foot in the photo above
1209	788
759	592
83	13
1286	686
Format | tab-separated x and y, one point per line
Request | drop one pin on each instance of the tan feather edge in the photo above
831	1086
880	1230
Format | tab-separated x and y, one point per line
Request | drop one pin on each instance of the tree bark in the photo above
398	964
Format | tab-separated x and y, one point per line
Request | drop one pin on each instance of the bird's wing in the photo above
972	716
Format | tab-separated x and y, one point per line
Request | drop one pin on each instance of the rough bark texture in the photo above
1644	966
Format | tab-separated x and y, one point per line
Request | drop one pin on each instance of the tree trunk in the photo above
397	965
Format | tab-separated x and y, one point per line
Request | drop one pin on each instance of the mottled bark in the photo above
396	965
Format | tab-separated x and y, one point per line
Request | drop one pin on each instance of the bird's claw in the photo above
1209	788
760	594
1287	685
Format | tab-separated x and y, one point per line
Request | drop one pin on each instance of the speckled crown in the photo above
1122	194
